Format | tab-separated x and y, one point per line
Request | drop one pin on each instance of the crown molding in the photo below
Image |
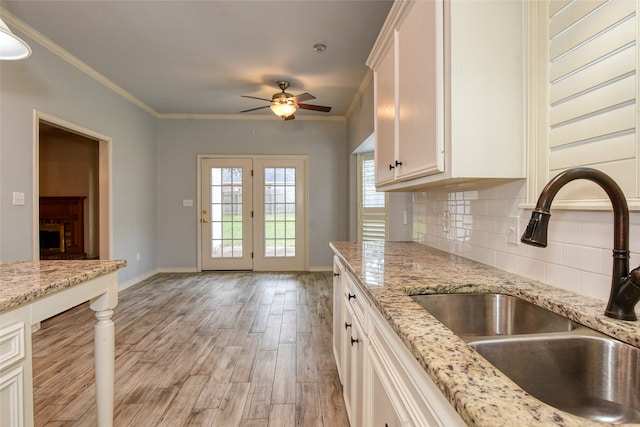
366	80
67	56
41	39
171	116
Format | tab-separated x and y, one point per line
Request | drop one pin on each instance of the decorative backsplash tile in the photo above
474	222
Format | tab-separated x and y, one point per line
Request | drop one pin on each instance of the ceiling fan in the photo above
284	105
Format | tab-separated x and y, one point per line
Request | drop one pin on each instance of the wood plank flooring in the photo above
209	349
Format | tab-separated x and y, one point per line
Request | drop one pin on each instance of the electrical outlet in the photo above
138	256
513	231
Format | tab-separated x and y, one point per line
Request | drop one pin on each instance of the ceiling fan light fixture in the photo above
12	48
283	110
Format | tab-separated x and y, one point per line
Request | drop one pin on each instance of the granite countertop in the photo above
24	281
389	272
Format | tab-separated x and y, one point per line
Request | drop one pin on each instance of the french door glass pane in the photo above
226	212
279	212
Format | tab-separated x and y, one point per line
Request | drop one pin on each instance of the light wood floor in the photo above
210	349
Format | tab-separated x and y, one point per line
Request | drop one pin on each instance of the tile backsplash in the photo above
475	222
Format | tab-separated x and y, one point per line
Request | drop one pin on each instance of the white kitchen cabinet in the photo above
382	382
15	369
418	398
338	317
386	408
458	93
355	344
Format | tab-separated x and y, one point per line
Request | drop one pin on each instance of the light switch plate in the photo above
18	198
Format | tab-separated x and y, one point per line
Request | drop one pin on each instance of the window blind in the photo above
592	89
372	203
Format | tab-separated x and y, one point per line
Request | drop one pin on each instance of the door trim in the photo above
196	218
105	196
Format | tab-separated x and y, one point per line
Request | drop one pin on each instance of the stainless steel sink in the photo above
473	315
589	375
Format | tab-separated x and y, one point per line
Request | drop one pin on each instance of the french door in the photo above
253	213
226	205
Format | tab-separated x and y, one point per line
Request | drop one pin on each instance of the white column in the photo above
104	343
105	366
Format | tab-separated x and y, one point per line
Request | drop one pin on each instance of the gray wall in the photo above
51	85
360	125
181	140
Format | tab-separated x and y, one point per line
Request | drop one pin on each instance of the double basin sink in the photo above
562	363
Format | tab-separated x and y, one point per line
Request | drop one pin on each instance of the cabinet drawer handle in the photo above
391	167
398	163
351	296
336	274
347	325
354	341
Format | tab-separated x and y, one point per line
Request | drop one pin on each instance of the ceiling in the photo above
199	57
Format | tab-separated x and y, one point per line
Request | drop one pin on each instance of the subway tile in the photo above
597	234
531	268
562	277
507	262
552	253
564	231
596	286
582	257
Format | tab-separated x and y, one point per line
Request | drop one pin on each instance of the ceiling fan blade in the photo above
314	107
304	97
255	97
291	117
253	109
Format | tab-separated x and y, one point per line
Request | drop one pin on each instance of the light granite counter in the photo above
24	281
389	272
32	291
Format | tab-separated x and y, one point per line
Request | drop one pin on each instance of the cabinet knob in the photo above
336	274
391	167
398	163
351	296
347	325
354	341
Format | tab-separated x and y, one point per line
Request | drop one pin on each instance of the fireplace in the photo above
62	228
52	239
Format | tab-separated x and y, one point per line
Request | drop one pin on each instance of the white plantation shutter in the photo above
590	86
372	218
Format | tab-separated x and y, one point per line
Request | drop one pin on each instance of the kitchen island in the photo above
32	291
387	273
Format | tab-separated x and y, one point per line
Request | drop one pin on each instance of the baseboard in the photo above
178	270
320	269
136	280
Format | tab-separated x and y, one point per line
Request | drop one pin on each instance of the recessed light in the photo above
319	47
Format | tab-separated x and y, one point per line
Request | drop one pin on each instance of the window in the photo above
372	204
584	89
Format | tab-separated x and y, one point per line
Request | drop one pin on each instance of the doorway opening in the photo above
72	191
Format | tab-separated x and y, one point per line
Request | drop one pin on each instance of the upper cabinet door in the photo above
458	89
419	42
385	122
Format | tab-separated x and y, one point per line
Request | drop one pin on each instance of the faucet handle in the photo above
625	297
